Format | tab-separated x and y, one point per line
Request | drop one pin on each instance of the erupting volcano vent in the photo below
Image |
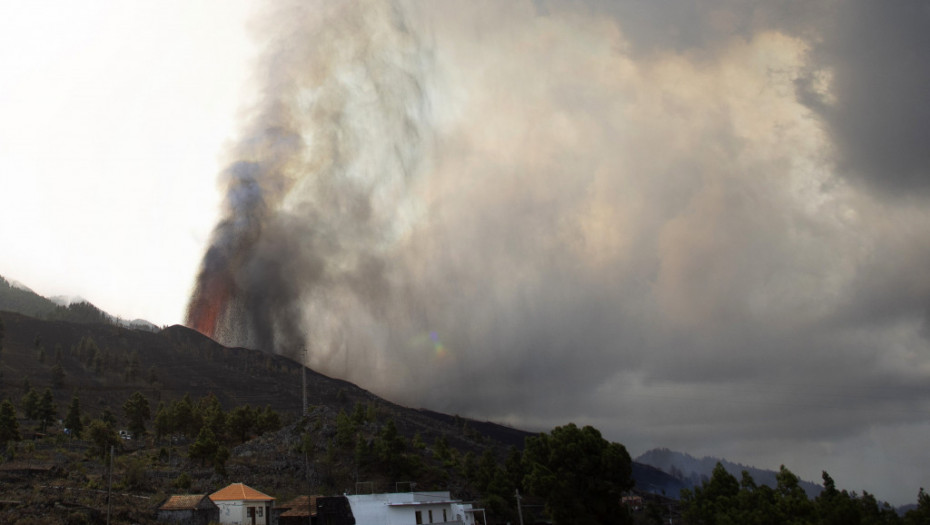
316	190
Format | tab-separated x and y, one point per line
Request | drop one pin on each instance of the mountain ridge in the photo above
693	471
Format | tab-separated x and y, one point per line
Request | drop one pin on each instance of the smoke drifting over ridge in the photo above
673	223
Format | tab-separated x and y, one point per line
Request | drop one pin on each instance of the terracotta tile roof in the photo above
183	502
239	491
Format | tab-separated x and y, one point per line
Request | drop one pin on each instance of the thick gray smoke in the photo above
669	220
317	184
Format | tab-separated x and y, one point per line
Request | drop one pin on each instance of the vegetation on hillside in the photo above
724	500
16	299
185	414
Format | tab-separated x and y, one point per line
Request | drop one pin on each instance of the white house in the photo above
240	504
410	508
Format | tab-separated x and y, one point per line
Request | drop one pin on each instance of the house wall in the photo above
188	517
236	512
401	508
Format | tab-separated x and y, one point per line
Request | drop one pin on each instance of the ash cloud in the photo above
871	57
541	212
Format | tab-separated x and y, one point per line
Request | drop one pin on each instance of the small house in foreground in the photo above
188	509
240	504
410	508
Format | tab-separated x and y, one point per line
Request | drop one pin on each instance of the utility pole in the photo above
304	369
109	484
519	507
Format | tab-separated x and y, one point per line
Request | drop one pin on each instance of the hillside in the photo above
20	299
104	364
693	471
165	366
17	298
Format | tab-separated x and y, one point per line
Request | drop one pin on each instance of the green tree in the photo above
2	334
102	437
73	418
514	467
183	481
390	447
241	422
358	413
345	429
205	447
29	403
182	416
108	417
9	426
580	475
163	424
46	411
210	412
920	515
441	448
219	460
793	502
487	468
267	420
363	453
835	507
137	412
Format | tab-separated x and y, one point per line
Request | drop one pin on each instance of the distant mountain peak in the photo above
693	471
67	300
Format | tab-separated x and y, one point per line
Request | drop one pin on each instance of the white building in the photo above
410	508
240	504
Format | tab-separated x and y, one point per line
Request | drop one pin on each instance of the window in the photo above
444	518
260	509
430	516
419	518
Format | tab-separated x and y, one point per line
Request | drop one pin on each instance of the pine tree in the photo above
73	418
30	403
205	447
241	423
102	435
182	417
163	424
47	410
137	412
108	417
9	427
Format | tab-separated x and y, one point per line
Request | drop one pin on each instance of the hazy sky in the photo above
114	117
700	225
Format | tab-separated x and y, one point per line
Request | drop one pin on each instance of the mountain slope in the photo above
20	299
692	471
17	298
104	364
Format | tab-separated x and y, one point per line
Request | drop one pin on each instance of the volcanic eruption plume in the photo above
660	218
315	184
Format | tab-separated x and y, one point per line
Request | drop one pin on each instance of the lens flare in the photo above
438	348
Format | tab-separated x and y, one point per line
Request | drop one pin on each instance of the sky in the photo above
696	225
